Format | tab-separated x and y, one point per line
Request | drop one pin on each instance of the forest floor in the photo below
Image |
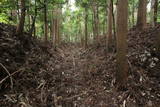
76	77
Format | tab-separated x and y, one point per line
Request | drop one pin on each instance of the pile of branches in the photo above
143	87
18	55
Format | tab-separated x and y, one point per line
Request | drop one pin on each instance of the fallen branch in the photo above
9	75
70	98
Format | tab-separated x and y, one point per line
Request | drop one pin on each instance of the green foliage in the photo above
72	20
4	18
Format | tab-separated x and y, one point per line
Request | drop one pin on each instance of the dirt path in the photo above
83	79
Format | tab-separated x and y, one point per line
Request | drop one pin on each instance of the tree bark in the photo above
56	33
110	23
96	22
133	12
59	24
33	24
86	28
104	27
154	12
158	42
53	27
122	29
93	27
141	16
18	13
28	14
45	22
20	26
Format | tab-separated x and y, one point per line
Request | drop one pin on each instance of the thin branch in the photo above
9	75
75	96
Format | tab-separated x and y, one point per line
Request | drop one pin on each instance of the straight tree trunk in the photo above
93	27
96	22
29	21
53	27
56	25
86	28
28	14
122	29
59	24
33	24
33	20
45	22
20	26
141	16
104	27
114	23
18	13
56	32
154	10
110	23
133	12
34	31
158	42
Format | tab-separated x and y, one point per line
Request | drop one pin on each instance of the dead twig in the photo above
130	65
9	75
74	63
70	98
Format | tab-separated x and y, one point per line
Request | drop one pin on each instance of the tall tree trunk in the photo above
154	10
18	13
158	42
57	30
104	27
59	24
86	28
33	20
122	29
93	27
55	33
28	14
20	26
29	21
56	25
34	31
133	12
52	27
35	12
45	21
96	21
33	24
141	16
110	23
114	23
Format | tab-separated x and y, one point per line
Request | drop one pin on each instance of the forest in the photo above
79	53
